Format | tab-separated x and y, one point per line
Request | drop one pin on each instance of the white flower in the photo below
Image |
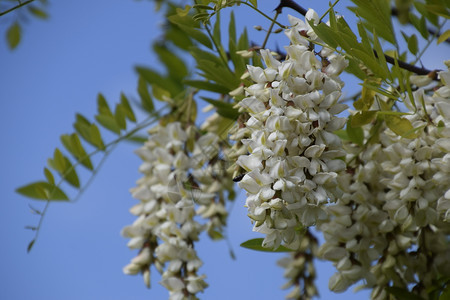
291	162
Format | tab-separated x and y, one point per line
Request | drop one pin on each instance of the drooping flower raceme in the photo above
390	227
175	181
293	154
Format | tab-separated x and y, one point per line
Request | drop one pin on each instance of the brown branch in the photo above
15	7
419	71
291	4
389	59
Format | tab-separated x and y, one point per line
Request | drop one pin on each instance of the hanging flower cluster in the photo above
299	269
181	170
390	227
293	154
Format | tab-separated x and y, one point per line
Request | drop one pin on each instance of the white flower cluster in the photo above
299	269
175	179
293	154
391	225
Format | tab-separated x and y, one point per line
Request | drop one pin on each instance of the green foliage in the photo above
14	35
256	244
224	109
42	190
402	294
377	17
35	9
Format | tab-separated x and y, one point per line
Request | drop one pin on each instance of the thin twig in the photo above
15	7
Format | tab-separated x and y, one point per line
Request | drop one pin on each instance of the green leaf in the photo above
30	245
342	134
443	37
215	235
363	117
439	10
95	137
64	167
355	134
201	17
377	16
13	35
325	33
49	176
154	78
207	86
146	99
232	28
89	132
216	30
419	24
400	126
256	244
127	108
138	139
42	190
189	26
201	6
381	59
411	42
119	115
254	3
73	144
368	92
160	93
402	294
174	65
108	122
102	106
224	109
37	12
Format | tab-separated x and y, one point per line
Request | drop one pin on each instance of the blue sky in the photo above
87	47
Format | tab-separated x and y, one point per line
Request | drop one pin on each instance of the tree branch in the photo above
419	71
291	4
15	7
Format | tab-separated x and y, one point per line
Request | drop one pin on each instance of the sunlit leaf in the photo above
355	134
108	122
119	115
146	99
49	176
13	35
376	16
37	12
62	164
73	144
400	126
127	108
42	190
419	24
207	86
363	117
443	37
174	65
256	244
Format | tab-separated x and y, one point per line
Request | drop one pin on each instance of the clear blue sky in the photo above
84	48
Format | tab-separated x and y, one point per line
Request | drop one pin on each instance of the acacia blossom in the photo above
390	227
293	154
175	182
